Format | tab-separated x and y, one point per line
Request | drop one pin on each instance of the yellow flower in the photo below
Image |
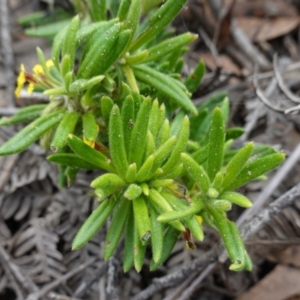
89	142
20	81
30	88
38	70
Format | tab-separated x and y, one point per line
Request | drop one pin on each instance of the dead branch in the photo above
7	52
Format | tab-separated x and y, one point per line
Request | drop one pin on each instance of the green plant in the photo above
113	87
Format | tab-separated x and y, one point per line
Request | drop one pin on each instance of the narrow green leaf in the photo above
215	144
158	201
256	168
128	259
145	169
133	16
182	214
193	81
230	238
236	198
116	51
57	45
139	250
89	154
96	55
24	114
98	10
190	220
71	160
169	46
123	9
180	146
157	237
177	122
236	164
142	220
116	142
166	85
48	30
136	58
127	115
163	152
164	133
107	180
133	191
200	156
131	173
139	133
234	132
71	173
150	144
66	126
170	239
80	85
69	43
157	116
93	223
90	126
32	132
86	31
116	228
197	173
159	20
106	108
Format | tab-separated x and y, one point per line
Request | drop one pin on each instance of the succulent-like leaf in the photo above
90	126
69	43
166	85
116	228
230	237
169	46
89	154
197	173
93	223
128	259
24	114
127	114
157	236
106	107
96	55
192	82
32	132
139	133
139	250
180	146
256	168
131	173
159	20
66	126
236	198
236	164
133	191
190	220
170	239
157	115
215	144
142	220
116	142
158	201
145	169
71	160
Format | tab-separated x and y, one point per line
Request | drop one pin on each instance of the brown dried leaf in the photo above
260	30
280	284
